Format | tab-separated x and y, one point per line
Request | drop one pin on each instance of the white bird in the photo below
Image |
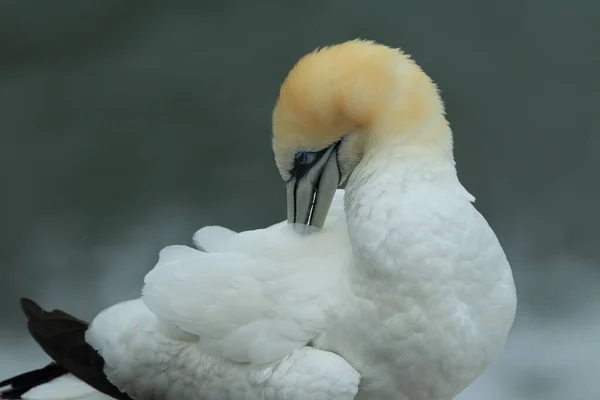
404	287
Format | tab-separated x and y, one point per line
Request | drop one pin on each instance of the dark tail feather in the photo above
62	337
21	384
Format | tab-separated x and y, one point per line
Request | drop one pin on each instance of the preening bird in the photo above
394	288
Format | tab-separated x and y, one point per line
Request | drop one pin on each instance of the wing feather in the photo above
248	307
254	296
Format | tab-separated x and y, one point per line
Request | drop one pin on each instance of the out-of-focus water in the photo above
125	128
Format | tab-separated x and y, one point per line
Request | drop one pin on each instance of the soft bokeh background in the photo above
125	126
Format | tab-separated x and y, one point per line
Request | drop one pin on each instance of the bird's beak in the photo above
309	197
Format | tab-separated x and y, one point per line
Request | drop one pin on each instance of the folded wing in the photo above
261	241
262	296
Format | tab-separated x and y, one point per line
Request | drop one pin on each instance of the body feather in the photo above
260	295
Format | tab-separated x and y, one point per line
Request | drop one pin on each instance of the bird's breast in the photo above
432	297
422	343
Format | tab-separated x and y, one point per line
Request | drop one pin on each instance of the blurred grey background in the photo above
125	126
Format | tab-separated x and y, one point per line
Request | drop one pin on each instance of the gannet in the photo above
395	287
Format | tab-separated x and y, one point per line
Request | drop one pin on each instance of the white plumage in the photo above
261	295
234	323
405	288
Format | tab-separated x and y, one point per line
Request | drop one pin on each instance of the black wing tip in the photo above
18	385
62	337
22	383
31	309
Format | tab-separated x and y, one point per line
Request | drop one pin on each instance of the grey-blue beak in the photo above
309	197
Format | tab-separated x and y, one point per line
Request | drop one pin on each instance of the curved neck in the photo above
401	161
391	175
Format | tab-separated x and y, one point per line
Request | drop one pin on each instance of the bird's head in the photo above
337	102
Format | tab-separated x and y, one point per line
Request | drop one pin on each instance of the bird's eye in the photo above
304	157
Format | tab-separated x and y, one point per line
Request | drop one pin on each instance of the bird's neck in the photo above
381	192
401	162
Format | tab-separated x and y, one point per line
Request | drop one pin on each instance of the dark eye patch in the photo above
304	160
304	157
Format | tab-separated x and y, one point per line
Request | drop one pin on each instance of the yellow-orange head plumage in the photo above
357	87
